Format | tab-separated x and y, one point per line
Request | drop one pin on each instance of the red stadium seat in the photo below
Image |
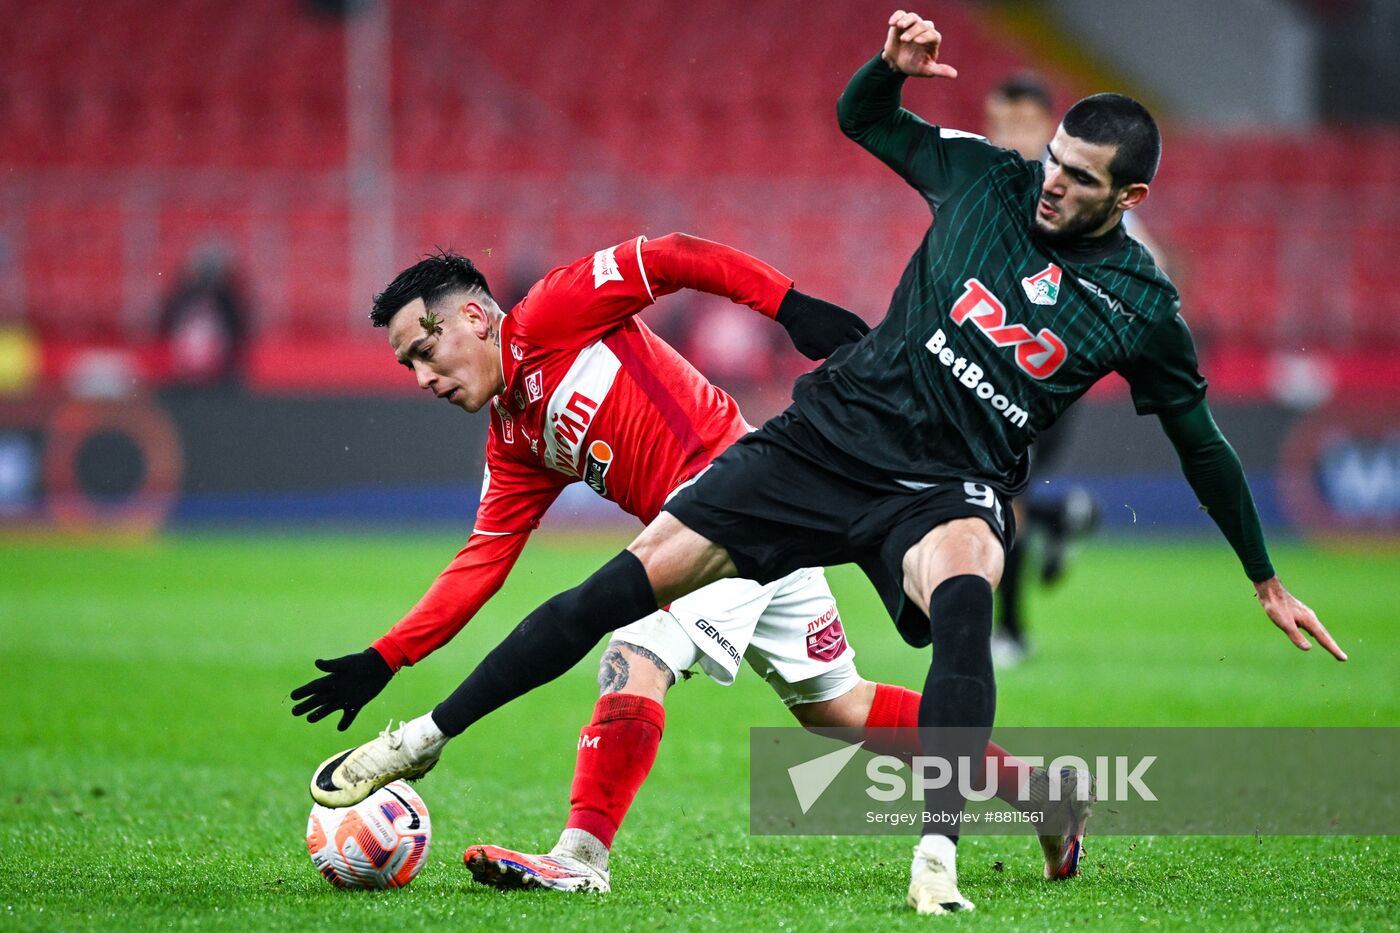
198	120
73	261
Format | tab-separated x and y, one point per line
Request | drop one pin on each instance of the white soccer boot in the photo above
403	754
933	879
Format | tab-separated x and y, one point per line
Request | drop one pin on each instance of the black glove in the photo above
818	327
350	683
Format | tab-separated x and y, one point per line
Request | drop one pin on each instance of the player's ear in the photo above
477	318
1131	196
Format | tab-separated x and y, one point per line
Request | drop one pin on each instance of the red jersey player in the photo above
580	390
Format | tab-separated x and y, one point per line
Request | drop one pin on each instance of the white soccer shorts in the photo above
789	631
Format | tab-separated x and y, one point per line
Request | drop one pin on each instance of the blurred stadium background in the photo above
198	198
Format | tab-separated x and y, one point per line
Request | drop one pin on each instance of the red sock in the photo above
893	709
615	754
895	712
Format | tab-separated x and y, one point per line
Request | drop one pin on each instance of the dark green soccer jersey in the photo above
991	333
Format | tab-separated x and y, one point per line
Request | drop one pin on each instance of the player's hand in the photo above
350	683
818	327
1292	616
911	46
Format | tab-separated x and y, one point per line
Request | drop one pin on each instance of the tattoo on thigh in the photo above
612	672
661	665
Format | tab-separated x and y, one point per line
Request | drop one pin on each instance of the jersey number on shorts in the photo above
983	496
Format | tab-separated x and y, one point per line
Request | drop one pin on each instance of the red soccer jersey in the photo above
591	395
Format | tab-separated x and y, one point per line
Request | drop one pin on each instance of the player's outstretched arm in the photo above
869	111
817	327
1216	476
935	162
351	682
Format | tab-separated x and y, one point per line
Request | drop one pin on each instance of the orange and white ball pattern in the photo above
381	842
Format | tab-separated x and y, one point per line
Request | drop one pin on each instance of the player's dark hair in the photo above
1025	86
1115	119
431	278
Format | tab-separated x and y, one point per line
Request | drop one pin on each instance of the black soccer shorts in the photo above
783	497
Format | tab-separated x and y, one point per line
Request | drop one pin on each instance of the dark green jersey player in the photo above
996	327
899	453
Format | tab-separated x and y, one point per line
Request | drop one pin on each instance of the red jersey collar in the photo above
509	363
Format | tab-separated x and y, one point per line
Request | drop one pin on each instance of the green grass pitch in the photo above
152	775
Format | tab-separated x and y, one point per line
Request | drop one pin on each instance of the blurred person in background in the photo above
204	321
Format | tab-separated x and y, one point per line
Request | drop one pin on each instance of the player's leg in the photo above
1009	645
799	646
1009	642
1065	520
708	629
618	747
949	574
886	718
616	750
666	561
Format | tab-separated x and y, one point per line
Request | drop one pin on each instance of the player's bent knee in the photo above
851	709
632	669
966	546
678	560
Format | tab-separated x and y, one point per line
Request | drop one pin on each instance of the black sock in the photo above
552	639
960	694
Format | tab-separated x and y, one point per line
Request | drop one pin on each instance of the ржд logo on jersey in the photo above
1038	354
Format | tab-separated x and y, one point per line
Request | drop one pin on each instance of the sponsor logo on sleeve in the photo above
945	132
595	467
605	267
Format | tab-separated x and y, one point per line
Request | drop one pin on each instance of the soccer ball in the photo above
381	842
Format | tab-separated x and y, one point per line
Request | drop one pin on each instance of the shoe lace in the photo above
393	737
